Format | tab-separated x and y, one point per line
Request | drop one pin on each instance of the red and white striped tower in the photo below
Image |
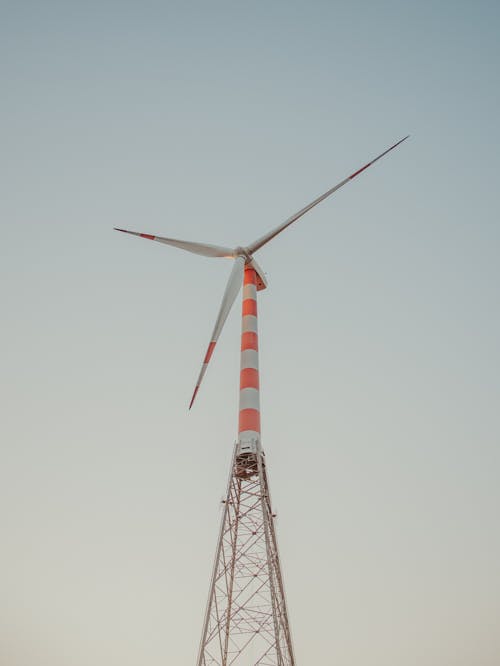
249	417
246	620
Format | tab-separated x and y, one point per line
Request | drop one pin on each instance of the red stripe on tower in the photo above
249	420
249	340
250	277
249	378
249	307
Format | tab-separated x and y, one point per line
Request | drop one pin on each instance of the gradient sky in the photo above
379	330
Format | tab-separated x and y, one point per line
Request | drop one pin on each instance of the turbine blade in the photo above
198	248
253	247
232	288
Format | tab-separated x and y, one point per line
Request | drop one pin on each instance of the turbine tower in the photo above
246	620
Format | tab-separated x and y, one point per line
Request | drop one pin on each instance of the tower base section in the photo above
246	622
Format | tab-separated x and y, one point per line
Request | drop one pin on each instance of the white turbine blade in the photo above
253	247
198	248
232	288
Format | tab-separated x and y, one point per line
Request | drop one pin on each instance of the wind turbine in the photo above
246	607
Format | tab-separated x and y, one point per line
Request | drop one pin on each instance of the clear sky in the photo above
214	121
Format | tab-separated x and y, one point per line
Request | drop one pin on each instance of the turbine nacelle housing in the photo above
261	278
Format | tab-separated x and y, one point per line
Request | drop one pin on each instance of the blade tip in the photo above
193	398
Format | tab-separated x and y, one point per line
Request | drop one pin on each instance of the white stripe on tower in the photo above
249	421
